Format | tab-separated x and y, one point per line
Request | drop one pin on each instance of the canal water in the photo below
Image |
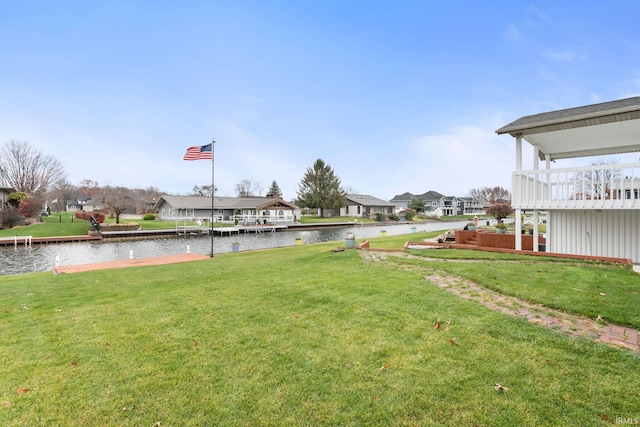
21	259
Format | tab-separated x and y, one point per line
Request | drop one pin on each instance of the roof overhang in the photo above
599	129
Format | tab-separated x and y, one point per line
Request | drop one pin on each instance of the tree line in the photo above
40	180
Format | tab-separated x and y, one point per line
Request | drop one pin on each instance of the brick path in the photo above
160	260
580	326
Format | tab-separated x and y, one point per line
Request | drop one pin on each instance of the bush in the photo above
409	215
394	217
379	216
99	216
149	217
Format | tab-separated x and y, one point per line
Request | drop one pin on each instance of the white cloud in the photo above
564	56
453	163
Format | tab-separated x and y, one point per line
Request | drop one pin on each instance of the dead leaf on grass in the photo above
447	327
453	341
437	324
385	367
195	343
6	403
22	390
501	387
606	417
602	294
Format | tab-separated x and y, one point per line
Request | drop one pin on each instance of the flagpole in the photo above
213	187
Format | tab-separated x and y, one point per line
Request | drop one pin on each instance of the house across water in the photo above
244	210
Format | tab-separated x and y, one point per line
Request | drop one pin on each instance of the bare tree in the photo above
202	190
145	199
247	188
27	170
595	183
490	195
118	199
89	187
62	191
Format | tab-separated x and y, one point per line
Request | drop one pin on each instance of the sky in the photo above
396	96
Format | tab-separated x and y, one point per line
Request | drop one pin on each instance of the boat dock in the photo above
29	240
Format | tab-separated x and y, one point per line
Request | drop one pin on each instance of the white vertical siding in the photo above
609	233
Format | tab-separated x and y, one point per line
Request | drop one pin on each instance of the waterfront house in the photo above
591	210
365	206
438	205
243	209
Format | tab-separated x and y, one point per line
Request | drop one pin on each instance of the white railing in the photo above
253	219
609	186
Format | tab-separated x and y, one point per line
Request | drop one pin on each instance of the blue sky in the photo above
395	95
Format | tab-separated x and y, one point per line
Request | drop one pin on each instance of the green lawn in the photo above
67	225
581	287
297	336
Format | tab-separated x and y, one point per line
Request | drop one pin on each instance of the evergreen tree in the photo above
417	204
320	188
274	190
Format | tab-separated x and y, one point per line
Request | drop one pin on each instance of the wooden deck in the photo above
159	260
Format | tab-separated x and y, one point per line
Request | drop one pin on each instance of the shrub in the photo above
149	217
380	216
409	215
29	207
394	217
499	211
99	216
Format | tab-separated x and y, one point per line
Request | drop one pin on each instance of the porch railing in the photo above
607	186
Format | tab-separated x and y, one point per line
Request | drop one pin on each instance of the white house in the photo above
365	206
591	210
244	209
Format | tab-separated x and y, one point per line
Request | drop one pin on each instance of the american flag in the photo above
203	152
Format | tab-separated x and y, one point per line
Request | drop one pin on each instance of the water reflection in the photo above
43	257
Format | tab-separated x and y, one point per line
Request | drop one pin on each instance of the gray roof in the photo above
431	195
625	107
366	200
605	128
403	196
200	202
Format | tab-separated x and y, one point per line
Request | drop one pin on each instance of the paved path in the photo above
160	260
597	329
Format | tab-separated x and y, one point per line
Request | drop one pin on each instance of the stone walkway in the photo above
160	260
579	326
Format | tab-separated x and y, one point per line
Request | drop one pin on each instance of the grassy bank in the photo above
67	225
293	336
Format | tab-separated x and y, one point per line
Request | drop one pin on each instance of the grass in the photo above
591	289
292	336
67	225
55	225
